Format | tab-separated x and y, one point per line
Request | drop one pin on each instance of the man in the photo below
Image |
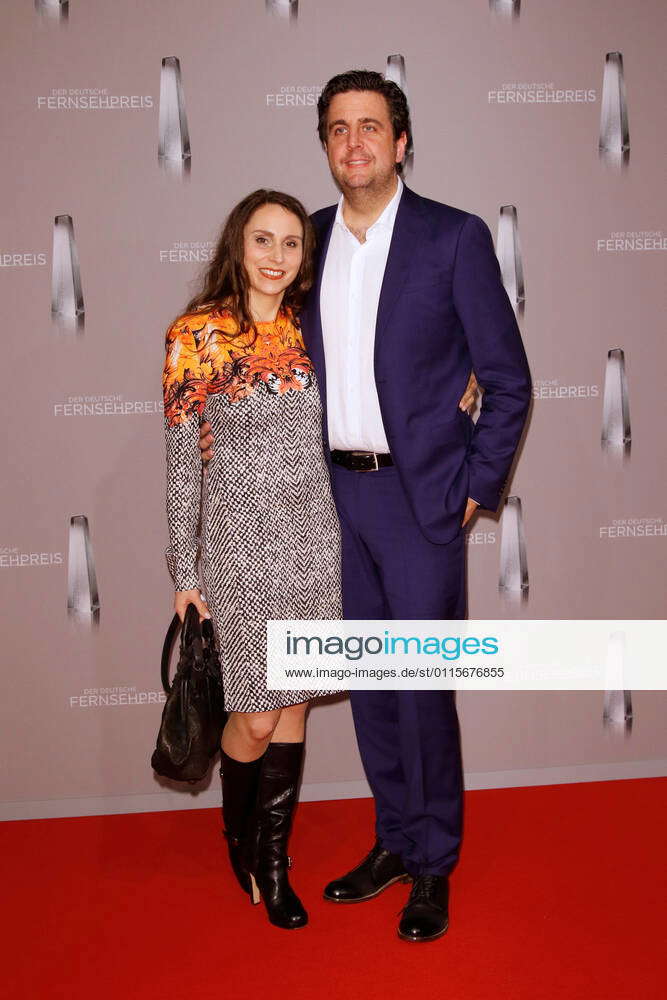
408	298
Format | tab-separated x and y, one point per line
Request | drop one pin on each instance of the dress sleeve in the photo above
184	400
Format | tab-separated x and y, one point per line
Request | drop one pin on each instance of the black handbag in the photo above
194	715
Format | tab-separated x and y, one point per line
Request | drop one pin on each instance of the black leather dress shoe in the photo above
426	916
379	869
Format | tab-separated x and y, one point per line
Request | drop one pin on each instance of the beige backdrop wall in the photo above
506	99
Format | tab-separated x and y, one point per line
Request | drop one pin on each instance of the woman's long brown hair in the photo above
225	280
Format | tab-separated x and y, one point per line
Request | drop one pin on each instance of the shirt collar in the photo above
385	221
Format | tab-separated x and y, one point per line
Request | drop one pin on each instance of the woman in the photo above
270	545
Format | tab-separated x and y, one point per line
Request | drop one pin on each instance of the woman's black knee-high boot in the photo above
240	780
267	859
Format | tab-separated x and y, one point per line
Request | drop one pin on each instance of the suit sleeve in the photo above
184	400
498	359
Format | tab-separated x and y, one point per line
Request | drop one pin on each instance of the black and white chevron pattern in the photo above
270	533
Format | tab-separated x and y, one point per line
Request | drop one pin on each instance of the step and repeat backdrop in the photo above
130	130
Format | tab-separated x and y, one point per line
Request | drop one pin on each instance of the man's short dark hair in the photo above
366	79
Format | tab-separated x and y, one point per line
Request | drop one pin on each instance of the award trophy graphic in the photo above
286	10
617	710
67	307
83	602
614	141
53	10
616	437
508	9
174	139
508	252
396	71
513	580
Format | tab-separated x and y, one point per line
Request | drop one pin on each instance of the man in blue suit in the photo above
408	299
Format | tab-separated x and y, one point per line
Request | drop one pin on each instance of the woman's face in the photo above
273	249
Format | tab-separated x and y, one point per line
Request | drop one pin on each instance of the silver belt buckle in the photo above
368	454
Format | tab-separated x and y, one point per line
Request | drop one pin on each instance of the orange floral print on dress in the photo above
207	354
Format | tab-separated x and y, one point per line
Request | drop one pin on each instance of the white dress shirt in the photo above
349	297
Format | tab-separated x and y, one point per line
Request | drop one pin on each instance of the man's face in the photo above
360	142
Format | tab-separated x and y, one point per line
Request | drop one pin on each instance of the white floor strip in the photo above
208	798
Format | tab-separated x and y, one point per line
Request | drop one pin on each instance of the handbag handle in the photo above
191	631
172	631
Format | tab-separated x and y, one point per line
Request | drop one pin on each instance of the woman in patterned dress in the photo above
269	538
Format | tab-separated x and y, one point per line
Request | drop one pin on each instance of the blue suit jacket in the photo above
442	312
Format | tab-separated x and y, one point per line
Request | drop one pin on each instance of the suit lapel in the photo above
405	241
312	330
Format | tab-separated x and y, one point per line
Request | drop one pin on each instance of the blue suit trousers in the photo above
409	740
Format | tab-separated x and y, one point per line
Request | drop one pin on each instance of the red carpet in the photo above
560	892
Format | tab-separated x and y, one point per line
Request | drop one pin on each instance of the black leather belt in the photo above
361	461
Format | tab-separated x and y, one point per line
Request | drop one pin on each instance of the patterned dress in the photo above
270	538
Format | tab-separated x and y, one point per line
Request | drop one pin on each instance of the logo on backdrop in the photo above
284	10
24	258
66	295
480	537
11	557
616	436
614	140
617	711
633	527
617	705
184	252
294	95
628	242
113	405
540	93
513	579
112	697
174	154
83	599
53	10
553	389
507	9
508	251
91	99
396	71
